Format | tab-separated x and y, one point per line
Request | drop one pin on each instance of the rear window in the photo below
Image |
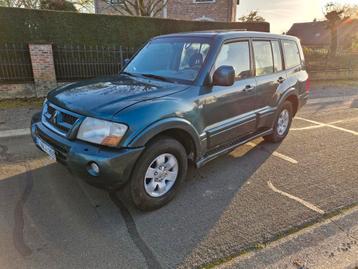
291	52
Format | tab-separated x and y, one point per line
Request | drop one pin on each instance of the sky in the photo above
281	14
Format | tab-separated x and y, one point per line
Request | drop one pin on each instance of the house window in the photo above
204	18
115	2
204	1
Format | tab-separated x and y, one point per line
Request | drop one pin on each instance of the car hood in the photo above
105	97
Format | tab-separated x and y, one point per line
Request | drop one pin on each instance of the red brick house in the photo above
205	10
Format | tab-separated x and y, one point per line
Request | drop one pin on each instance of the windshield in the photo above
170	59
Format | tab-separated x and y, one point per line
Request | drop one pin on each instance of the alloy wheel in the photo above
161	175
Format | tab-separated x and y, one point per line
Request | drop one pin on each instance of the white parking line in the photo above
321	124
276	154
303	202
307	128
14	133
284	157
344	121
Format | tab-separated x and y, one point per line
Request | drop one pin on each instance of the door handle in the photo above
280	80
248	88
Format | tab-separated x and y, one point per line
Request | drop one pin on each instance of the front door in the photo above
228	112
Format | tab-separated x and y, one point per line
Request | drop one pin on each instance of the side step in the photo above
226	148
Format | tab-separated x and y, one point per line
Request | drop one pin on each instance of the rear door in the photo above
269	71
294	68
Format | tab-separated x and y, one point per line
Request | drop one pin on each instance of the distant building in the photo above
316	34
200	10
311	34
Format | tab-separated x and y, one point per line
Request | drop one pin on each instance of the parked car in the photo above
188	96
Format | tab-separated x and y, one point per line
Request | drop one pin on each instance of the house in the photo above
317	35
311	34
201	10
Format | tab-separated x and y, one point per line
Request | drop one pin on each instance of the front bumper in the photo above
115	164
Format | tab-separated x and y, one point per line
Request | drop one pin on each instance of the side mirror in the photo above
224	76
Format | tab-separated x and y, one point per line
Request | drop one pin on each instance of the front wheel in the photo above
158	173
282	123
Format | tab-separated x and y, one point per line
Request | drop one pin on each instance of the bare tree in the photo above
20	3
335	15
81	5
253	16
149	8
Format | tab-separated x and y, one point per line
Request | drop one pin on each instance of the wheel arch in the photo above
292	96
293	99
179	129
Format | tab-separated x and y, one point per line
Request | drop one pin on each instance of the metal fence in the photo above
76	62
15	64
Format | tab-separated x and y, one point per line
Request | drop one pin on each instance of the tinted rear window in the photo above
291	52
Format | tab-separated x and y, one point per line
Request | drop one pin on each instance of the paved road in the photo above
332	243
255	194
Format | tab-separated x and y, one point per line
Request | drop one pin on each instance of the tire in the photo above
158	157
278	134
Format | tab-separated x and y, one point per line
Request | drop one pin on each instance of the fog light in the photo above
93	169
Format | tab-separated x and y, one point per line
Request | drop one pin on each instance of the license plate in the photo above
46	148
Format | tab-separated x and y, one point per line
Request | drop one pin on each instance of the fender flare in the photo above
164	125
285	95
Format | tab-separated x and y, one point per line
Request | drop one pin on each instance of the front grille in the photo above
58	119
51	109
69	118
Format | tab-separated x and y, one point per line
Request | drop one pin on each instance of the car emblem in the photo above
54	116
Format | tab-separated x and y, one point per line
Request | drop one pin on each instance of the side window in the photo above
291	52
277	57
263	58
237	55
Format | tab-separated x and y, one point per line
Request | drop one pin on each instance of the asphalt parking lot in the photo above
257	193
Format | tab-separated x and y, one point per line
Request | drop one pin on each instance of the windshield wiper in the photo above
157	77
128	74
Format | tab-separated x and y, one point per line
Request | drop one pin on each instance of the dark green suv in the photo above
189	96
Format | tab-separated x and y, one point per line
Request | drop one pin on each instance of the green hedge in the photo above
26	25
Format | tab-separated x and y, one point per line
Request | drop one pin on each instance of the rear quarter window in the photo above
291	53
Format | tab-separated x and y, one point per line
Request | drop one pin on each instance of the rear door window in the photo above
263	58
277	57
237	55
292	54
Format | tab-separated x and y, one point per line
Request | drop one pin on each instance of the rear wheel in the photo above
158	173
282	123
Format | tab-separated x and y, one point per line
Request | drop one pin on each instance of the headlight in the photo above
101	132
